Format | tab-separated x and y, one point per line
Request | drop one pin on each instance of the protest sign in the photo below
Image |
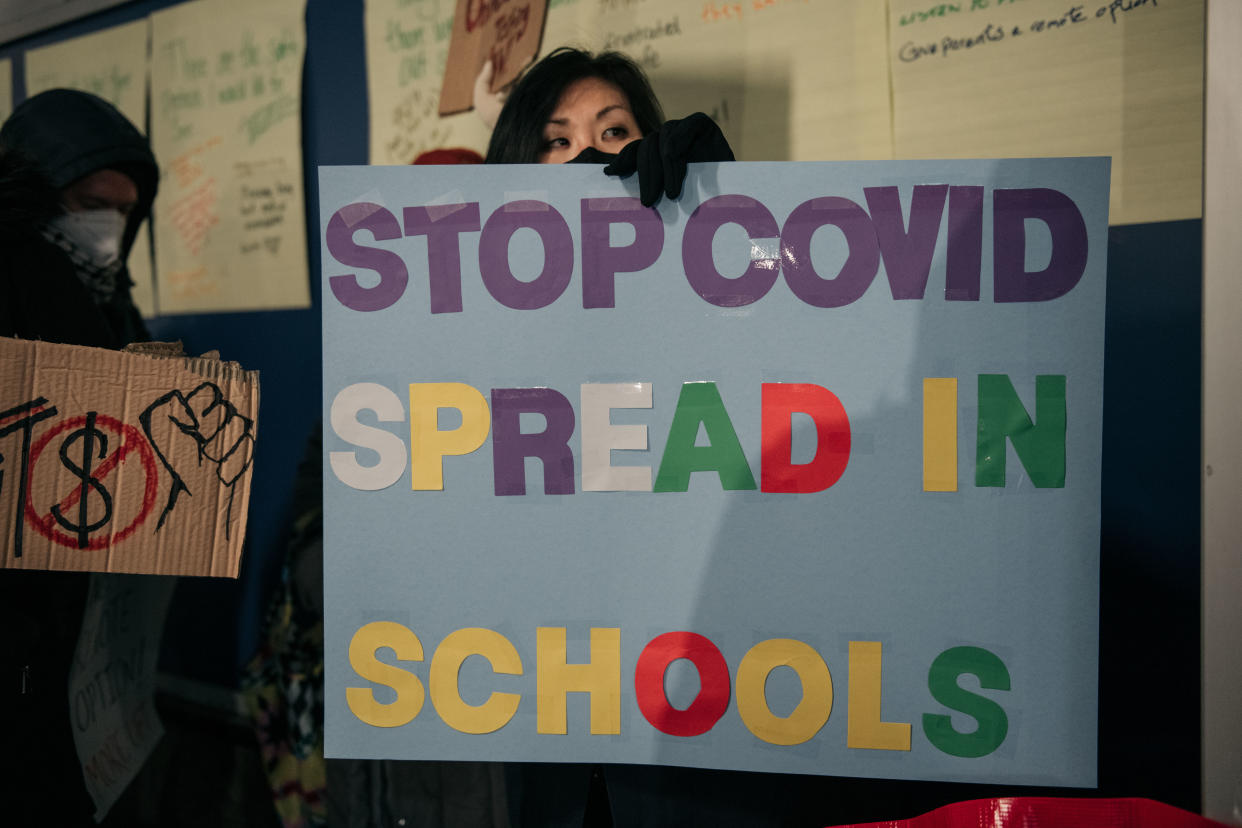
112	682
123	462
799	472
506	32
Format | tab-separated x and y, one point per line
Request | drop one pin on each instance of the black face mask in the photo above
591	155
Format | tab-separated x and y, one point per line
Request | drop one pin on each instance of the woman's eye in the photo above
616	132
556	143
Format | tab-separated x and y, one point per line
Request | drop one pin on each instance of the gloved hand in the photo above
660	157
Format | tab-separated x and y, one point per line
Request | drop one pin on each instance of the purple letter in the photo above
339	236
601	261
965	254
907	254
441	224
558	255
860	265
696	250
510	447
1010	210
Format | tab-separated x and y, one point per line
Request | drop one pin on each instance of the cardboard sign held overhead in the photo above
123	462
506	32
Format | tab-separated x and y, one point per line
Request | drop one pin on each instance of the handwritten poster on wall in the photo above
226	128
407	44
803	80
798	473
1045	77
112	682
813	80
112	64
787	79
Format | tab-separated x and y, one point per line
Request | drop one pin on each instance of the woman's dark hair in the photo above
518	136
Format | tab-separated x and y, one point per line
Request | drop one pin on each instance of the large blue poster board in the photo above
798	473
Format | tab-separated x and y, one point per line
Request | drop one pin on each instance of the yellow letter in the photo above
752	702
940	434
429	445
499	708
362	658
601	677
866	730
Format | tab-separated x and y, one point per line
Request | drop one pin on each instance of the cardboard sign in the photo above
799	472
123	462
506	32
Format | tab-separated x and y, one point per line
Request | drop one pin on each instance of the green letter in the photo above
1041	448
942	682
700	403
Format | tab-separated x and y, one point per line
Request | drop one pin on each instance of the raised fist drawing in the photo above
198	430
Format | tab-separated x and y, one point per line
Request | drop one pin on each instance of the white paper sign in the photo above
112	681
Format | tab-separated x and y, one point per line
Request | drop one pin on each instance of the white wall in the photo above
1222	417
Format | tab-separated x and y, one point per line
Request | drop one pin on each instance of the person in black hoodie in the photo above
76	181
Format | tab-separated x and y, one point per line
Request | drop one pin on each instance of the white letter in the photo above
600	437
388	409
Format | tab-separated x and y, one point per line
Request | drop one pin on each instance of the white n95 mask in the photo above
95	235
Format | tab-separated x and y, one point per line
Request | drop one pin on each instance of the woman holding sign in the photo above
575	107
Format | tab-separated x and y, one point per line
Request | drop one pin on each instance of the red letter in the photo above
713	698
832	435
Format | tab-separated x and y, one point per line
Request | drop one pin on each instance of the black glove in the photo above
660	158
